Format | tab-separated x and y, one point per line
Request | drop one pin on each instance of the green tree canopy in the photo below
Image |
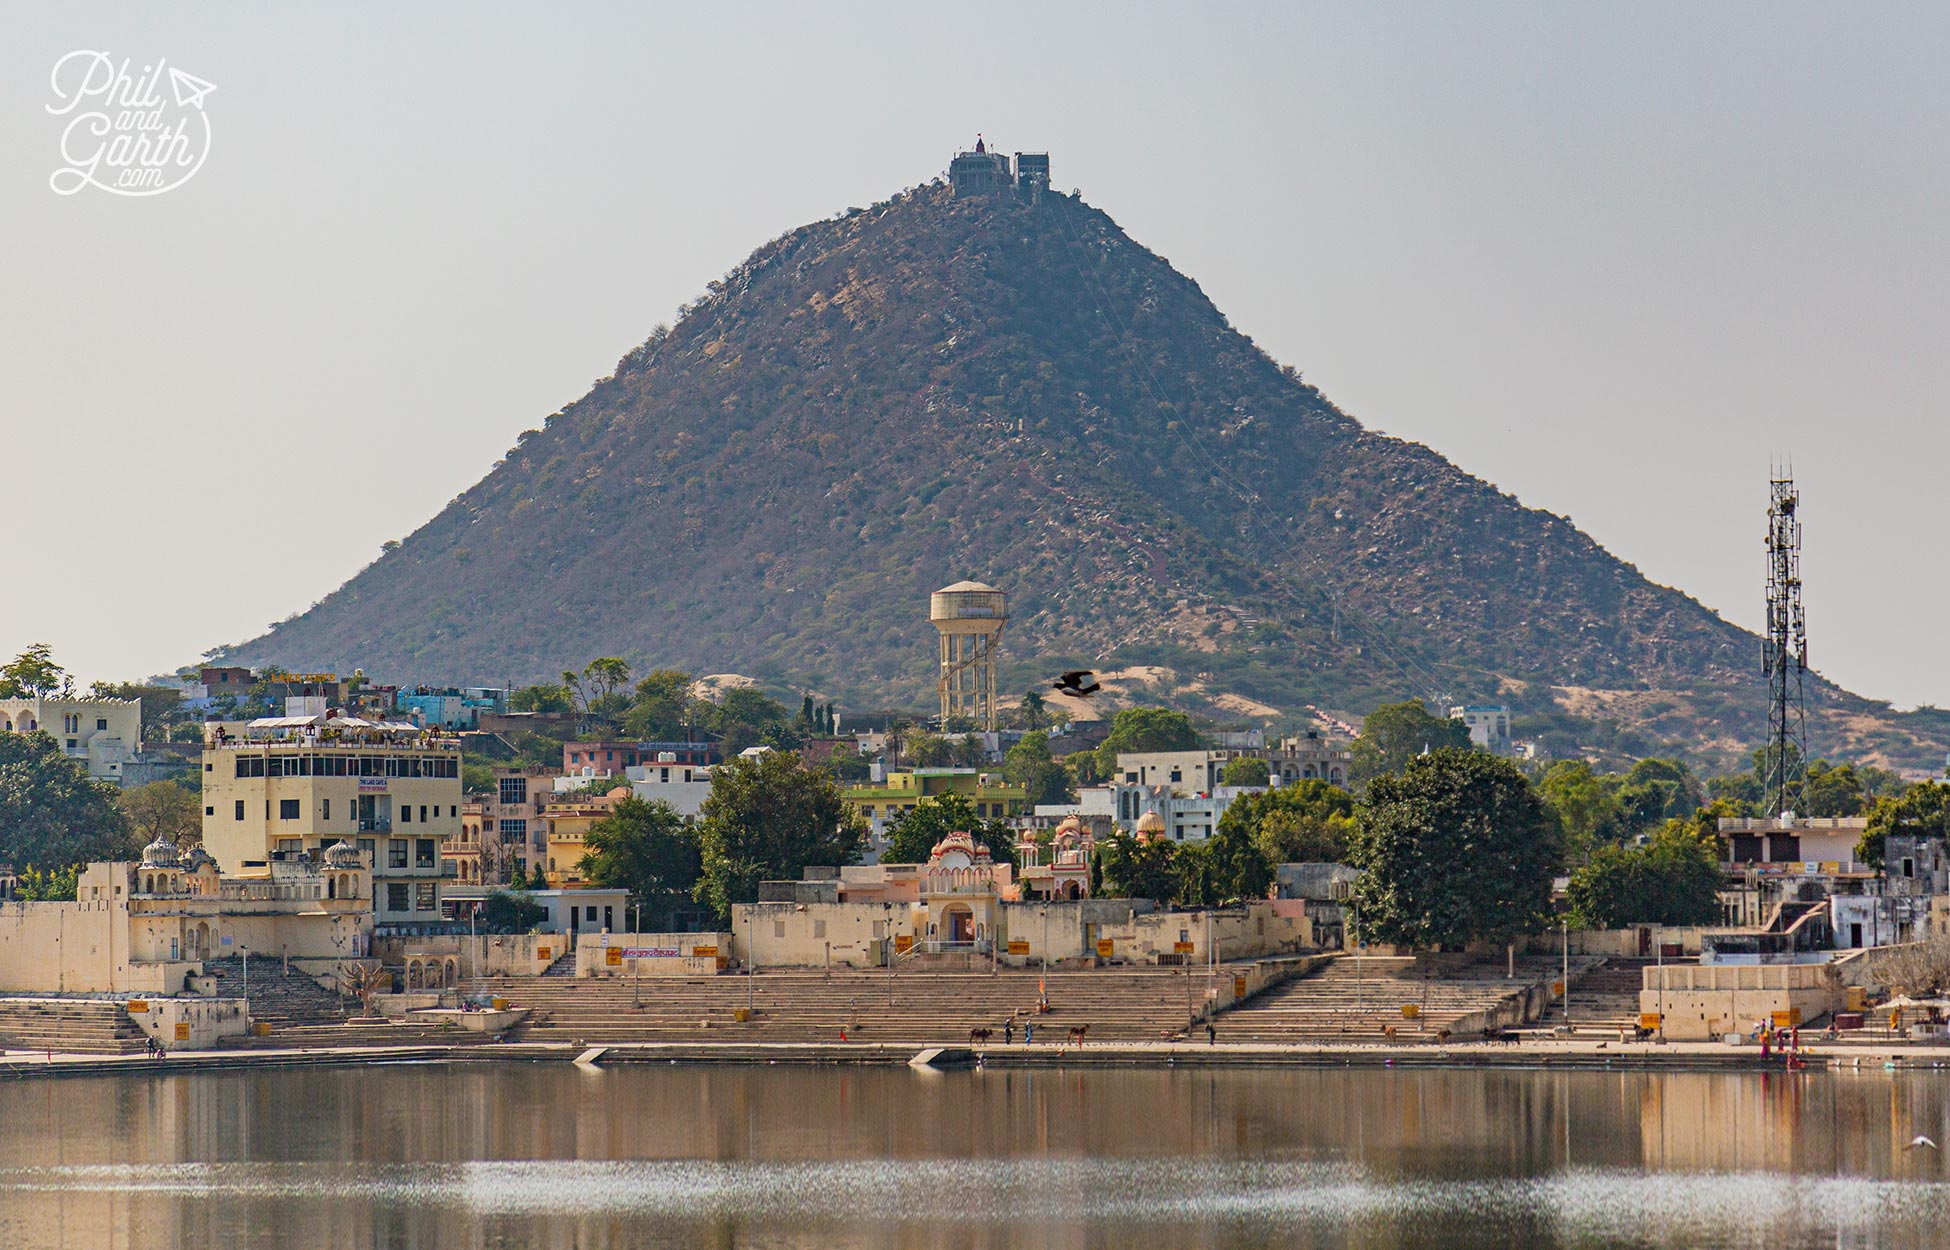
912	835
509	911
1835	790
51	814
1395	733
1146	729
52	885
648	849
1674	879
662	709
1134	869
1246	770
1922	811
1030	765
1229	866
1586	807
1457	848
848	765
1307	822
1655	791
747	718
767	818
543	698
160	809
33	673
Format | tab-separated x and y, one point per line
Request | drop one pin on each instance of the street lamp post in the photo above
247	981
636	965
1567	973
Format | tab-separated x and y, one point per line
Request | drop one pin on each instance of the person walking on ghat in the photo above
1009	1031
1211	1032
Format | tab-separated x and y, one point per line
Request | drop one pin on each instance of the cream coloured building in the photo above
287	787
105	734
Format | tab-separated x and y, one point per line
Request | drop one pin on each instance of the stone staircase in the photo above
927	1008
1352	999
1603	998
96	1026
277	998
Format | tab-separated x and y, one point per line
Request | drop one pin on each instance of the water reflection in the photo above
546	1155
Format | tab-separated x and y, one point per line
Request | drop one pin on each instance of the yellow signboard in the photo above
182	1030
1649	1019
544	952
137	1006
613	956
1182	948
701	951
1105	948
1789	1019
903	942
1238	987
1018	947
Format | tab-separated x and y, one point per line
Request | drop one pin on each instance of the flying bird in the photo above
1078	684
1920	1140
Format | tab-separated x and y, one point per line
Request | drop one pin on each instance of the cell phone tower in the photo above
1784	651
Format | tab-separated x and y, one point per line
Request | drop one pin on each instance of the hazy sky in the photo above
1610	258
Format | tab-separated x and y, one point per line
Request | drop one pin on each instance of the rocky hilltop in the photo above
1012	389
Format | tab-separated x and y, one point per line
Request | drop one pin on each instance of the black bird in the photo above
1078	684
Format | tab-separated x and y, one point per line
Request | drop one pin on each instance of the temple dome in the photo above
343	855
1150	825
161	853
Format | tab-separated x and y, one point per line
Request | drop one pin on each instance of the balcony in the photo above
375	824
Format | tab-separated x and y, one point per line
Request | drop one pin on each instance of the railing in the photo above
376	824
411	746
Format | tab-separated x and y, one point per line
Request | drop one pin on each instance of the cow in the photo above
980	1036
1076	1034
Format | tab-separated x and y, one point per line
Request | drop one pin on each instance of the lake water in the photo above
546	1155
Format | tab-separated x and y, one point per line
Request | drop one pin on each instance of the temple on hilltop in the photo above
984	171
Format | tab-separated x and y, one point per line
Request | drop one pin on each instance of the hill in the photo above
941	387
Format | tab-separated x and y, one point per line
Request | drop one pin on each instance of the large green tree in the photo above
1457	848
1134	869
1395	733
509	911
1146	729
663	709
547	697
767	818
1306	822
33	673
1586	807
1229	866
51	814
1673	879
1922	811
1246	770
747	718
649	849
913	834
1029	764
161	809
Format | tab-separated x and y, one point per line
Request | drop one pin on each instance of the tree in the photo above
1134	869
912	835
1587	811
1457	848
1395	733
1146	729
1230	865
1246	770
538	878
1923	811
547	697
509	911
51	814
161	809
848	765
1656	791
1835	790
747	718
926	750
1031	710
52	885
1029	764
33	674
1307	822
663	708
598	691
648	849
1674	879
766	818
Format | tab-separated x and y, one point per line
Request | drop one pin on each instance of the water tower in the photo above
969	617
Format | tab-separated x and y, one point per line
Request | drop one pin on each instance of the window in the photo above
240	809
101	724
453	809
425	897
514	790
423	813
423	853
209	811
514	828
366	849
589	913
287	809
324	809
406	814
396	852
399	897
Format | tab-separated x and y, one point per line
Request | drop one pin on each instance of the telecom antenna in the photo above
1784	651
